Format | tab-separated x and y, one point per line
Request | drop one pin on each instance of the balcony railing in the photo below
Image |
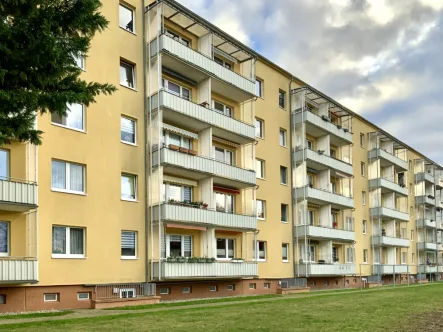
424	176
205	165
18	270
425	199
427	223
389	157
316	269
200	216
389	185
388	213
323	197
203	62
390	269
379	240
320	158
17	195
428	245
205	270
325	232
205	115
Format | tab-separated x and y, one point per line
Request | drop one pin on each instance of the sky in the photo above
383	59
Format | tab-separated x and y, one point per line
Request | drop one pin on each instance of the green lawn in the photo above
401	309
36	315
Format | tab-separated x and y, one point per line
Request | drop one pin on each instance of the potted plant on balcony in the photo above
205	206
339	126
321	151
174	147
171	259
345	130
334	224
181	259
201	260
173	201
192	260
210	260
192	152
237	260
183	150
325	118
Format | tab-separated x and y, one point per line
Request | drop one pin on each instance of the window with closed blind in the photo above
179	246
128	245
4	238
127	130
68	242
68	177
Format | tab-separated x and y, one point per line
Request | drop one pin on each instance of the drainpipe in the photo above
292	177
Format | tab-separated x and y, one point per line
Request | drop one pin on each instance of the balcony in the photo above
387	159
18	270
323	197
429	269
439	181
196	66
425	199
426	223
320	232
387	213
427	246
216	270
424	176
390	269
317	127
388	186
196	118
204	217
315	269
387	241
199	167
321	162
17	196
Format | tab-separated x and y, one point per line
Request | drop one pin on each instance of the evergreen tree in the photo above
39	40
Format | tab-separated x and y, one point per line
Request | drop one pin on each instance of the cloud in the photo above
380	58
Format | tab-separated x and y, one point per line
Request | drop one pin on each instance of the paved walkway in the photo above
89	313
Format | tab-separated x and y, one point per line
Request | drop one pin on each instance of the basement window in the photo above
2	299
50	297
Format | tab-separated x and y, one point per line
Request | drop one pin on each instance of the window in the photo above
128	244
126	18
252	285
212	288
260	165
363	169
186	290
4	238
50	297
4	164
363	197
283	175
362	140
224	203
224	155
349	255
313	283
365	255
180	141
311	218
222	108
164	291
285	252
127	130
410	189
410	166
259	128
223	62
412	235
310	180
266	285
326	282
82	296
68	242
347	282
259	87
261	213
284	213
225	248
177	193
403	257
413	258
128	187
68	177
74	118
2	299
230	287
80	61
365	226
309	144
261	248
282	99
179	246
283	137
127	75
177	89
127	293
178	38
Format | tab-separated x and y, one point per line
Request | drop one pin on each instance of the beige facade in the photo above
211	171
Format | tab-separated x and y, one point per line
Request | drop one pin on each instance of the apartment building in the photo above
210	172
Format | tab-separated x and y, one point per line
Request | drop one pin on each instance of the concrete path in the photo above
89	313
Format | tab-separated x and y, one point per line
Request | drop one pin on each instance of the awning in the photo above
225	142
186	227
180	131
184	182
227	190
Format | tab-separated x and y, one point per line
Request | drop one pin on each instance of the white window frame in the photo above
287	252
308	252
362	140
80	61
162	292
83	299
68	243
174	35
350	261
365	226
186	290
68	178
82	130
265	251
261	124
7	165
285	141
133	18
135	245
261	174
47	300
127	290
135	130
260	88
281	92
134	177
286	214
8	239
226	198
363	197
182	243
230	287
286	175
311	213
363	169
405	256
365	256
166	189
252	285
263	208
134	77
2	298
227	249
309	144
226	153
223	63
225	112
165	85
213	288
413	258
267	285
167	140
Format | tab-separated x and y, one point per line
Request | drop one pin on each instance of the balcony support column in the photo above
205	143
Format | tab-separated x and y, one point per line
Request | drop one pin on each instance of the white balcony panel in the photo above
197	117
390	241
439	246
205	270
425	200
309	269
205	165
187	214
427	246
429	269
324	233
17	196
387	213
427	223
18	270
424	176
323	197
321	159
206	64
388	158
326	126
387	185
390	269
439	181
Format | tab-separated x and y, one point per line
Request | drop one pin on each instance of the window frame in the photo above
135	130
365	227
68	177
8	239
365	256
285	140
127	290
82	130
226	153
182	244
287	252
177	37
258	251
280	99
167	140
165	86
363	169
226	196
80	299
261	128
129	257
165	293
363	197
68	243
311	213
225	112
260	175
309	144
82	59
166	191
286	216
134	77
226	240
223	62
405	256
7	165
260	87
134	177
362	140
187	292
213	288
2	299
46	300
230	287
132	10
285	170
263	208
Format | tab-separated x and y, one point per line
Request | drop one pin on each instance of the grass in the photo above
36	315
396	309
